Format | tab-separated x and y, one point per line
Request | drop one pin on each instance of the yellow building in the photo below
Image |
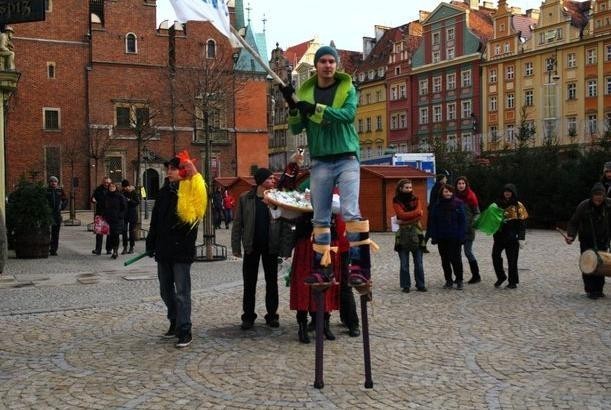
546	77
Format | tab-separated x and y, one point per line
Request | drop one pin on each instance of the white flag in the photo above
214	11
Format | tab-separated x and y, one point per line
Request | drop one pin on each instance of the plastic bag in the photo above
100	226
490	220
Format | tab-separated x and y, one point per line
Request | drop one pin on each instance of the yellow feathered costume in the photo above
192	192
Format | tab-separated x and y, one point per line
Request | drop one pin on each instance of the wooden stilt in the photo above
319	296
366	350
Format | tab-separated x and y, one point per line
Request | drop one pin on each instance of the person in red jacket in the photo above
409	212
228	205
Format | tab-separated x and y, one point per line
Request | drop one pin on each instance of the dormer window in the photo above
131	43
381	72
211	49
371	74
361	77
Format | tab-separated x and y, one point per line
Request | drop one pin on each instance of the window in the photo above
50	70
393	93
497	49
467	141
437	84
210	49
423	87
393	122
436	57
592	124
450	34
397	70
51	119
510	100
509	72
506	48
466	108
451	81
571	91
371	74
113	167
492	131
529	98
368	124
52	161
360	125
591	88
591	56
608	52
571	126
402	120
131	43
608	87
466	78
528	69
123	117
436	113
451	142
402	91
450	53
492	105
130	116
381	72
510	133
436	38
424	116
379	123
451	107
571	60
378	96
492	76
361	77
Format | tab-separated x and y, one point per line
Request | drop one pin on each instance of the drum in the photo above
592	262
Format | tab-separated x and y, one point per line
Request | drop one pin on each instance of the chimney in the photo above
516	11
473	4
488	5
533	14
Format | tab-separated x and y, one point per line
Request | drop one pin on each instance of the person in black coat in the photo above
115	208
98	198
592	222
57	201
510	237
606	178
440	180
131	216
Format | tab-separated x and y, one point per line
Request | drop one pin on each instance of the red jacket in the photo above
403	215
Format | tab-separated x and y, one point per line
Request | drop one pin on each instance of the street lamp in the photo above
551	114
236	57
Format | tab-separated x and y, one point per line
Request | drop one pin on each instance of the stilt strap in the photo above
374	246
326	250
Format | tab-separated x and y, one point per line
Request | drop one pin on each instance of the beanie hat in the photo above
598	188
175	162
261	175
324	50
53	179
607	166
125	183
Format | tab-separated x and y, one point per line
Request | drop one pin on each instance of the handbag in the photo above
100	226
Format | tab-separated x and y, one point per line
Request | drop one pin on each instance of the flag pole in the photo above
257	57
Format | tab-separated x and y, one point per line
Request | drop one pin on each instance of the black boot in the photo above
131	249
327	330
475	278
115	253
360	258
303	332
124	251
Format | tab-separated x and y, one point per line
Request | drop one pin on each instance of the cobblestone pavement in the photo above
82	331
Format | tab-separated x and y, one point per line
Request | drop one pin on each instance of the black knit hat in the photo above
175	162
598	188
125	183
261	175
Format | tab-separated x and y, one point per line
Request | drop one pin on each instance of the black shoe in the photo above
459	286
124	251
422	289
108	252
405	290
96	252
53	253
327	331
448	285
511	286
354	332
499	282
247	324
311	326
184	341
593	295
171	331
114	255
272	323
475	279
131	249
302	333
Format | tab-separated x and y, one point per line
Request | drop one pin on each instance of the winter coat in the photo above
243	229
171	239
589	222
57	201
448	220
115	207
513	227
99	194
330	130
471	210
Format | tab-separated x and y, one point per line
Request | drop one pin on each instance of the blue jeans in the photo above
468	248
404	276
344	173
175	289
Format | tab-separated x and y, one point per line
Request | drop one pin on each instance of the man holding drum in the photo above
592	222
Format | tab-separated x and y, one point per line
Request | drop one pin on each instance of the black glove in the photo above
287	92
306	108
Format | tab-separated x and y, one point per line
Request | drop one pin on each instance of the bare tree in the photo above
100	141
72	154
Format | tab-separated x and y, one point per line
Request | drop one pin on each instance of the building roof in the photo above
349	60
378	57
294	53
579	12
246	62
480	21
396	172
523	25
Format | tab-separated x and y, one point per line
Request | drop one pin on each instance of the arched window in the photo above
211	49
131	43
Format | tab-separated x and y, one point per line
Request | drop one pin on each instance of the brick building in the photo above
103	91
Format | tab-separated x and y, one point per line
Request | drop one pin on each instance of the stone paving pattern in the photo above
68	344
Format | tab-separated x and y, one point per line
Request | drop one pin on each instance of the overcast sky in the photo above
344	21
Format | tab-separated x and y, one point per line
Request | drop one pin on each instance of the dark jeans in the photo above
512	251
228	218
449	250
404	276
129	228
592	283
112	242
54	238
175	289
98	244
250	272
